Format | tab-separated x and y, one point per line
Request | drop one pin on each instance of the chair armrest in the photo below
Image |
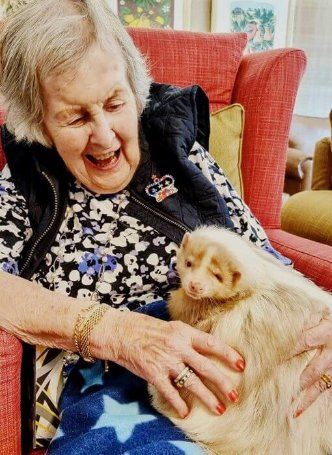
10	394
298	174
266	85
296	164
311	258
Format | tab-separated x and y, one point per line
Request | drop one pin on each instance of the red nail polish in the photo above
241	364
298	413
233	396
221	408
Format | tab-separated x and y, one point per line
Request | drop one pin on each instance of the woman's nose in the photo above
102	133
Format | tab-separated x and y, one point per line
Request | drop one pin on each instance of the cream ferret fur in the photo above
257	305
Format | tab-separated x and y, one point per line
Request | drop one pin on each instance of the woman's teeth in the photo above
104	159
105	156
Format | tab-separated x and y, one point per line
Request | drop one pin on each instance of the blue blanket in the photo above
109	413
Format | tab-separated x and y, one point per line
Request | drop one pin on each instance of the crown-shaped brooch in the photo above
161	188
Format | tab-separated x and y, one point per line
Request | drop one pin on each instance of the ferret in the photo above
248	299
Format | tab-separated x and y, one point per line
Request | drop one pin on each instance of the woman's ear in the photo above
47	138
185	240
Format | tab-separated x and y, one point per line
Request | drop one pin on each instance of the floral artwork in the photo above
258	20
133	13
265	22
147	13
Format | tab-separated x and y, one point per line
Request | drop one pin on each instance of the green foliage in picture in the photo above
146	13
258	22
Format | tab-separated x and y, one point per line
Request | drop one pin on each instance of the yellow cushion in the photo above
308	214
226	142
322	166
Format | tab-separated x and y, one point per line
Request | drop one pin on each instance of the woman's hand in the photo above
158	351
317	335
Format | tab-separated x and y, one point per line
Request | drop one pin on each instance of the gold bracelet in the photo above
80	318
85	323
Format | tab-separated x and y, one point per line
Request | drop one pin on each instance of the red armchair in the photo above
266	85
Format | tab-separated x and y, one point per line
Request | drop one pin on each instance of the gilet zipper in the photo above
49	227
160	214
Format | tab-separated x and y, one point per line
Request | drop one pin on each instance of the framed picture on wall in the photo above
167	14
265	22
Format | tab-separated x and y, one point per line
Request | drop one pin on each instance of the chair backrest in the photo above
183	58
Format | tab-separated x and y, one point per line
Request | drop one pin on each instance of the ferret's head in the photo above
217	264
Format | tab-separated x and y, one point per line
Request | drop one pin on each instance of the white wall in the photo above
200	15
313	33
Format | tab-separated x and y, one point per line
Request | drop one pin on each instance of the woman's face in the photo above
91	119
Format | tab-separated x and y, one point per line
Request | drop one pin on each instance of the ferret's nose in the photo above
196	287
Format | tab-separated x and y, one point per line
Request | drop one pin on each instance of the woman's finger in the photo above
323	385
172	396
315	337
210	345
315	319
194	384
317	366
206	369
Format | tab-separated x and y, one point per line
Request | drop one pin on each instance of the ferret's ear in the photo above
236	277
185	240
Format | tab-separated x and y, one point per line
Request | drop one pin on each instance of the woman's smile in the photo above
105	161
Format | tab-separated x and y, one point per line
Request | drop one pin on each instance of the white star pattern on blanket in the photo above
59	433
188	448
129	418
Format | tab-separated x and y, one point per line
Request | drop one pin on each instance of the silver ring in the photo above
328	381
182	377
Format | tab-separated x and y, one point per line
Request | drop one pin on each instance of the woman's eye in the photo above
77	121
116	105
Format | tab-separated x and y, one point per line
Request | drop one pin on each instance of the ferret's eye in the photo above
219	277
188	264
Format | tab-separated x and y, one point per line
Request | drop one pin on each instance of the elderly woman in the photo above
100	187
